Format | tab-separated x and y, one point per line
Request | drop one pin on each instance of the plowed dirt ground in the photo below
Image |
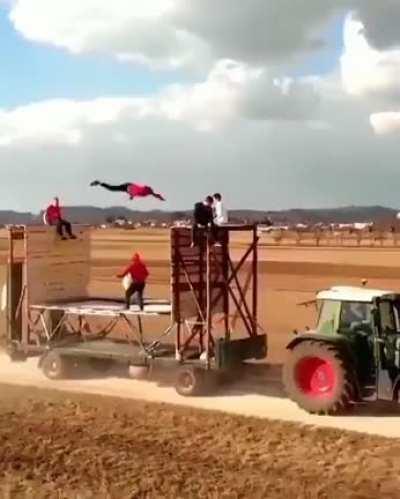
54	444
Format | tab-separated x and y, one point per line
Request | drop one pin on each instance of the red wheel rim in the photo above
315	377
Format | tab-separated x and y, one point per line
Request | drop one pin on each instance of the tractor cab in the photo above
353	353
346	310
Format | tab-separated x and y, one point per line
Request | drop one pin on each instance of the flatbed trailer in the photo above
52	315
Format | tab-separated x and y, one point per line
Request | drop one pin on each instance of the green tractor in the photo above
352	356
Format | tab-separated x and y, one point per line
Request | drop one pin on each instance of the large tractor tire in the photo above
318	377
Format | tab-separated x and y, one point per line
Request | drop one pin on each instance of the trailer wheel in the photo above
54	366
191	381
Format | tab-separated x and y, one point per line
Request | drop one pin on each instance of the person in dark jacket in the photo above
203	218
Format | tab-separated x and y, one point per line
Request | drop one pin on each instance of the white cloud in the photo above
367	71
196	33
175	33
231	92
62	121
385	123
130	30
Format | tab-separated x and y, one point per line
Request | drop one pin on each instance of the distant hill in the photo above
348	214
94	215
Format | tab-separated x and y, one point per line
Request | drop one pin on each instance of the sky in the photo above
274	103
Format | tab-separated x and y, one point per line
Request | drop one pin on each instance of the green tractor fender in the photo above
335	339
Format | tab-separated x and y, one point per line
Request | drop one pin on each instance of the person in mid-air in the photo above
53	216
203	218
133	190
220	212
138	273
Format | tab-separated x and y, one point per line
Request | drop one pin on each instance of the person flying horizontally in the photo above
133	190
139	273
53	216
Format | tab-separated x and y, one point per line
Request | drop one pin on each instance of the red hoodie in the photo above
138	190
53	213
137	269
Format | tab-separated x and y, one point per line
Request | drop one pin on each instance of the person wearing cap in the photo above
138	273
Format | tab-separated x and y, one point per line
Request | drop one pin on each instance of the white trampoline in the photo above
87	311
107	308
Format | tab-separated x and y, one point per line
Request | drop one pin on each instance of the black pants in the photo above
116	188
198	230
63	224
135	287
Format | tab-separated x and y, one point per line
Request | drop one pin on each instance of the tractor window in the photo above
388	322
329	311
356	315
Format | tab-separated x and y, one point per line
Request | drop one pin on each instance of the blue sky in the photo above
33	72
324	61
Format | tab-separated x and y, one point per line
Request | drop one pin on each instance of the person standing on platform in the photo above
203	218
53	216
138	273
220	212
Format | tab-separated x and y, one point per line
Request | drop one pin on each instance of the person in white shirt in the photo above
220	213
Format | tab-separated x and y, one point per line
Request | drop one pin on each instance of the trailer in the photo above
212	312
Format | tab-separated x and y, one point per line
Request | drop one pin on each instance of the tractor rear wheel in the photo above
318	377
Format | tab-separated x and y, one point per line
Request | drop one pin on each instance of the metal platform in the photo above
106	308
213	301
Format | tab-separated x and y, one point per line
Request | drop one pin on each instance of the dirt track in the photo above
259	396
57	445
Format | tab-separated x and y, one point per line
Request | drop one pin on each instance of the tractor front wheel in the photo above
317	376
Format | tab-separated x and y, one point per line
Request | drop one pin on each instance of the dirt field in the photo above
64	445
55	444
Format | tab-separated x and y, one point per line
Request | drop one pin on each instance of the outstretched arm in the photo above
124	272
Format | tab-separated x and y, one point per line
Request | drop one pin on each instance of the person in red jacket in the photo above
133	190
139	273
53	216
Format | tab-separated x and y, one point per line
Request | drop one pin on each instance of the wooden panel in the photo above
57	270
3	311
